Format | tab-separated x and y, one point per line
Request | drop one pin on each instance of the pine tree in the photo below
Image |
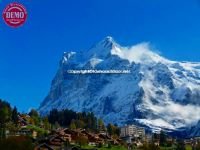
101	125
72	125
162	138
15	116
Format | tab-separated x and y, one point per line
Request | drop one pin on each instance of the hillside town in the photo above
66	138
68	130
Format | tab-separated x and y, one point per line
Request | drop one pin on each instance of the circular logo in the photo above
14	14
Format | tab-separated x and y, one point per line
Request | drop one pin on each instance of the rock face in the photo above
157	92
194	130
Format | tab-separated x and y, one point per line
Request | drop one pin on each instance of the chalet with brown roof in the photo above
94	139
23	120
65	136
56	140
104	136
74	134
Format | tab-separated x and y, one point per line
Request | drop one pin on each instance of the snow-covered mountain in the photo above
158	92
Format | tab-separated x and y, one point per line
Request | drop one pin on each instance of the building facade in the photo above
132	131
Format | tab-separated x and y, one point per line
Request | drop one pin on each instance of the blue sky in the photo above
29	55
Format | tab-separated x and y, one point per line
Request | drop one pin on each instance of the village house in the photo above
74	134
22	132
192	141
65	136
93	139
50	142
56	142
23	120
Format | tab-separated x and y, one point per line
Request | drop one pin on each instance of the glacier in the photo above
158	93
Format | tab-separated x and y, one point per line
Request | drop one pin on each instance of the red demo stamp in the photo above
15	14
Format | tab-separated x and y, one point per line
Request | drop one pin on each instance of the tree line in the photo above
85	120
55	118
8	117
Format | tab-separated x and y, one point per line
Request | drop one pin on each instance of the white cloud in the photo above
139	53
190	114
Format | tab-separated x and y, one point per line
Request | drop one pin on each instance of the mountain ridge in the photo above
154	94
